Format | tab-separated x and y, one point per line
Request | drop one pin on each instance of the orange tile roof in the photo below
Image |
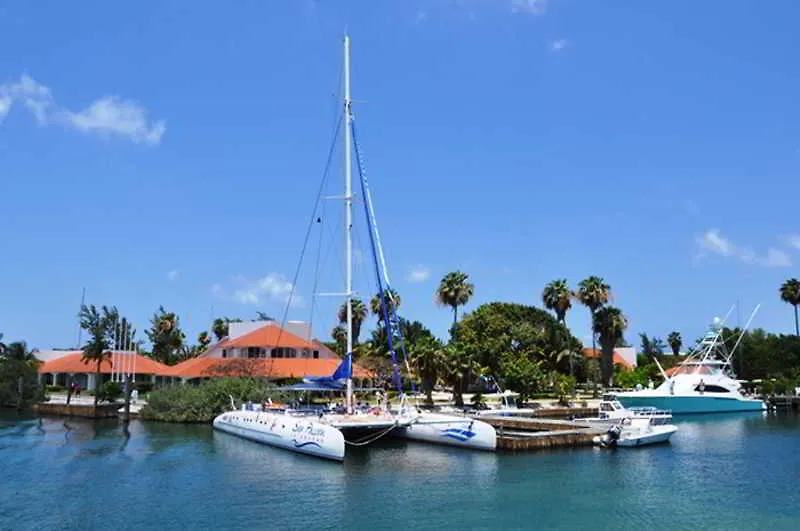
618	360
268	336
260	367
73	363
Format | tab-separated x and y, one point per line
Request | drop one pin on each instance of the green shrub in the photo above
110	392
54	388
203	402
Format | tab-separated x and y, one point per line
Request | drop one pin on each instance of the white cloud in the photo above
776	258
558	45
533	7
173	275
107	115
714	242
5	106
421	16
418	274
793	240
272	287
27	91
116	116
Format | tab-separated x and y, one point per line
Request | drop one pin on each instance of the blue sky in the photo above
169	153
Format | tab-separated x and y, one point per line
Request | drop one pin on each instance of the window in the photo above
316	354
252	352
711	389
224	353
284	352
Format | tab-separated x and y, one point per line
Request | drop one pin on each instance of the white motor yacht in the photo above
703	383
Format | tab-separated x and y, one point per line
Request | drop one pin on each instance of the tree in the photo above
557	297
2	345
339	335
790	293
593	293
203	341
261	316
100	327
675	342
359	314
391	299
494	329
521	374
650	347
219	328
166	337
18	363
426	357
609	325
18	351
454	290
457	365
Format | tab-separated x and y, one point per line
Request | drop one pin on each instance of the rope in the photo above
310	226
370	438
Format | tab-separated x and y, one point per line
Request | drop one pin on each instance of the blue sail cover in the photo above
343	372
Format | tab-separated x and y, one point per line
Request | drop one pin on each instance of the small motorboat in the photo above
633	432
611	412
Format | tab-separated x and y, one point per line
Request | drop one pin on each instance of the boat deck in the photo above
365	421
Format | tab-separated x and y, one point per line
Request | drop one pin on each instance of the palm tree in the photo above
557	297
428	362
359	312
593	293
96	349
790	292
18	351
457	365
675	341
203	341
609	324
339	335
391	299
219	328
454	291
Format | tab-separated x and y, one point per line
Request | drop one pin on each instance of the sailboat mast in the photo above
348	202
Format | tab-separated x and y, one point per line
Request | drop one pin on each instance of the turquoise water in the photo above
720	472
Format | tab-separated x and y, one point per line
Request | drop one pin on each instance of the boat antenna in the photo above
741	334
348	229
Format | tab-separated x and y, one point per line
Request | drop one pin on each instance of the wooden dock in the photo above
101	411
526	433
783	402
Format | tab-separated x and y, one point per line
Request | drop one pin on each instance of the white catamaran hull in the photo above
296	434
451	430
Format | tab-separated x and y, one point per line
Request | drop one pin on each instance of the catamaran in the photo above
326	434
703	383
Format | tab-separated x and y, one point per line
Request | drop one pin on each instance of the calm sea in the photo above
720	472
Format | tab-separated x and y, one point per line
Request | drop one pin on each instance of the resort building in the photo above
624	356
259	349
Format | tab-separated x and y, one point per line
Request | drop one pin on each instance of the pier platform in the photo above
525	433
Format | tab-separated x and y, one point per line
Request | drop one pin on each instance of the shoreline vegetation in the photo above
528	350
